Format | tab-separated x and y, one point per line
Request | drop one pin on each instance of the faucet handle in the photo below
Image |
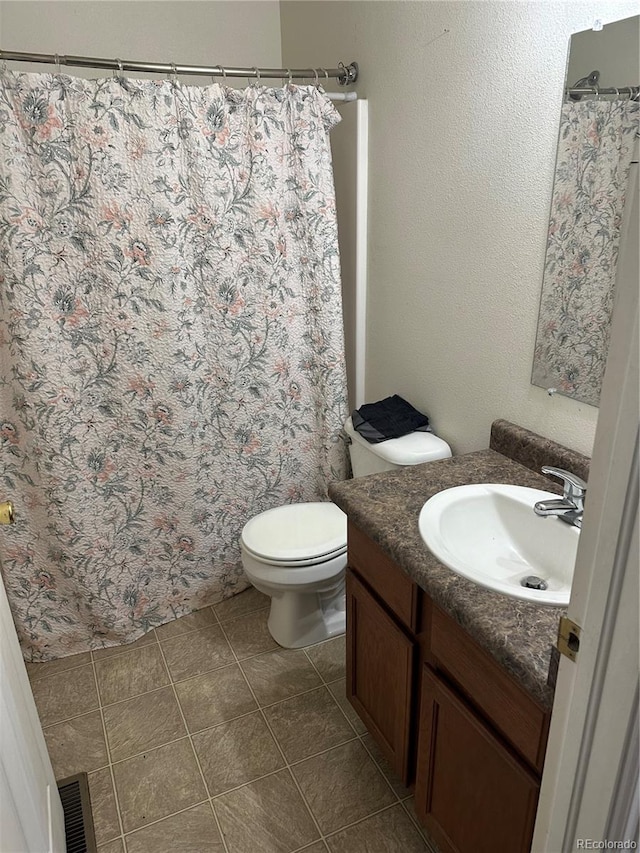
575	487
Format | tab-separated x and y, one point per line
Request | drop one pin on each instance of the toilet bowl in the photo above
297	553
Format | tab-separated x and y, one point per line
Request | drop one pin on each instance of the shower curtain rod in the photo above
344	74
631	91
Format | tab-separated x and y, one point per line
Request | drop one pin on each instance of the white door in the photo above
31	818
589	793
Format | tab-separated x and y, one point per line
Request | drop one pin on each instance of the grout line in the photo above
195	754
430	843
108	748
380	769
166	817
124	648
335	832
277	743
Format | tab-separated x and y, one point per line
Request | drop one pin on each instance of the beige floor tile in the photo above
103	806
249	635
127	675
268	816
318	847
51	667
339	691
193	831
329	658
237	752
157	783
390	775
197	652
215	697
241	604
342	786
77	745
65	694
280	674
145	640
308	724
115	846
390	831
200	619
143	723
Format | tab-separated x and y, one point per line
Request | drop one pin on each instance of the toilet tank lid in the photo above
410	449
297	531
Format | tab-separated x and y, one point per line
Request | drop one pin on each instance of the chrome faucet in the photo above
570	506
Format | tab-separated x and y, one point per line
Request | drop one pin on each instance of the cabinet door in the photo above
471	793
379	674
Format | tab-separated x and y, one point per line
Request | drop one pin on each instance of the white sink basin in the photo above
489	534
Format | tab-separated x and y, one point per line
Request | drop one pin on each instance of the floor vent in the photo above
78	822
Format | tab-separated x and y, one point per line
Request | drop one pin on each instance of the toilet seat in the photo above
296	535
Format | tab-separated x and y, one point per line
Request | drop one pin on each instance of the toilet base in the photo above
297	620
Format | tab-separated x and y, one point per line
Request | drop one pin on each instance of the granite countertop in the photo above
518	634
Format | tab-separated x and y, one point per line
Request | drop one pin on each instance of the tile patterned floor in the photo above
204	736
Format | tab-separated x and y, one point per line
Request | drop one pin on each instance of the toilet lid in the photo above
297	533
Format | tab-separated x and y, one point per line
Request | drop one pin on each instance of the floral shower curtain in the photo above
171	342
592	172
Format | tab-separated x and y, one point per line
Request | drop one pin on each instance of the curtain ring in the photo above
223	71
257	73
119	69
326	73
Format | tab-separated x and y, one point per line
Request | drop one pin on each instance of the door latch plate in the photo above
568	638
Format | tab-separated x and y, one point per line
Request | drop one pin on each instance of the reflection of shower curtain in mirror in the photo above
592	171
171	342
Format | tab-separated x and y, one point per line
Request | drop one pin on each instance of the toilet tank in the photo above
395	453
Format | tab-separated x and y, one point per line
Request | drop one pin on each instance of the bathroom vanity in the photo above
452	680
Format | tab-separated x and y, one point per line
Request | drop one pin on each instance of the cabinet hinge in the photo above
568	638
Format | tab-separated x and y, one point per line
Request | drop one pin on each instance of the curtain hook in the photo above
57	61
316	82
597	88
290	76
120	70
174	74
257	73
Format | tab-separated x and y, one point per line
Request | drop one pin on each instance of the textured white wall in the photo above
195	33
462	148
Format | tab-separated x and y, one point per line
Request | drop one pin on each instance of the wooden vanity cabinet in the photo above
447	717
471	793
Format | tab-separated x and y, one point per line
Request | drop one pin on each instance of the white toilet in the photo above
297	553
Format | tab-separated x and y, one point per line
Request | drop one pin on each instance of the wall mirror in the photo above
596	171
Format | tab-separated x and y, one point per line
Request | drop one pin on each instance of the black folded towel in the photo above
388	418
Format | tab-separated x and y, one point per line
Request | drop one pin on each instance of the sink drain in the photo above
533	582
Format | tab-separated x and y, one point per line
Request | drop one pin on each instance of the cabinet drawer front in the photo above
379	674
471	793
511	710
394	587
